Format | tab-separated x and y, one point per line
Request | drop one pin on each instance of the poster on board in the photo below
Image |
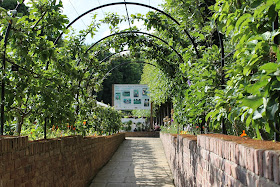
131	96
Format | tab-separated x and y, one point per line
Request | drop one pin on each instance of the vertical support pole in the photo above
160	115
276	135
3	97
3	94
223	80
113	94
202	125
3	72
168	109
151	120
224	131
3	78
45	128
276	41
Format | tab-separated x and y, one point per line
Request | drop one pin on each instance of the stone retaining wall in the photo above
220	160
67	161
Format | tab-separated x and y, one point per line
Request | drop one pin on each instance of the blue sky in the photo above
73	8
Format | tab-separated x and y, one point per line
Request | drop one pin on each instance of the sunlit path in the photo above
137	162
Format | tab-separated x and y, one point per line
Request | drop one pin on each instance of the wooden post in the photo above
113	90
224	131
45	129
151	120
276	41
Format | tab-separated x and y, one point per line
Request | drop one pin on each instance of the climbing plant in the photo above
252	93
249	100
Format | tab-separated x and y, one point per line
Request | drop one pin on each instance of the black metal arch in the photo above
137	32
132	3
109	56
113	54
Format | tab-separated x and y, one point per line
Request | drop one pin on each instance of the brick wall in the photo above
142	134
67	161
220	160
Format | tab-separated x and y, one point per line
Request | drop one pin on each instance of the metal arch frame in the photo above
137	32
7	34
109	56
131	3
104	59
128	32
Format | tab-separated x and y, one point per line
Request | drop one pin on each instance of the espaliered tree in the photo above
43	81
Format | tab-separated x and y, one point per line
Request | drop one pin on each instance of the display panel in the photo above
130	96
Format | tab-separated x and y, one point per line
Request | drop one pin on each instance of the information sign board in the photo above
130	96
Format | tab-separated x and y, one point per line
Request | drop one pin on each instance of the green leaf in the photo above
269	67
267	127
243	116
257	131
254	39
229	29
255	88
275	86
271	111
242	19
276	50
260	10
257	115
267	36
247	70
252	102
256	3
249	120
271	12
277	5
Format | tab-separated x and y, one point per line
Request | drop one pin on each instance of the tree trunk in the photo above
19	124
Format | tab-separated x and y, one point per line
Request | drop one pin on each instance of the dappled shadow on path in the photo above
138	162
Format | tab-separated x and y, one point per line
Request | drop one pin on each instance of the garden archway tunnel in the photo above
139	4
126	3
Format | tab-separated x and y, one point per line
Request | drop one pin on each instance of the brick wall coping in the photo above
12	143
222	160
65	161
246	141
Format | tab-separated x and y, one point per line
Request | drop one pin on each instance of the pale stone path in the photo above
137	162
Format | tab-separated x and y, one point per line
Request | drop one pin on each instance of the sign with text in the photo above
130	96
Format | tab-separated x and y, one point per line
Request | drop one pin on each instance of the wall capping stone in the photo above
221	160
